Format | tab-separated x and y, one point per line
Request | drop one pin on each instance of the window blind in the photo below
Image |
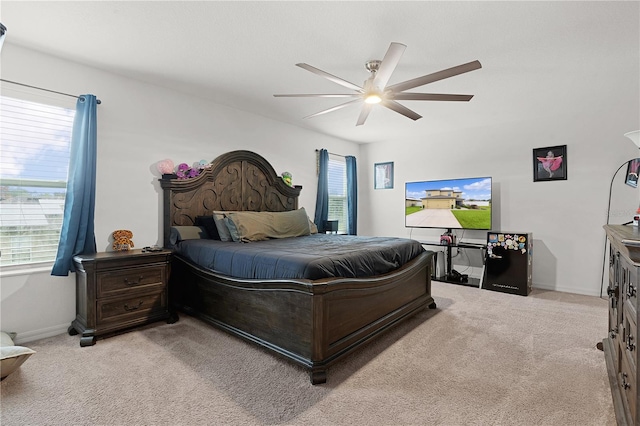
337	176
34	159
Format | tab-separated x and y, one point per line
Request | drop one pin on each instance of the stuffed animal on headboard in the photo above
287	178
122	240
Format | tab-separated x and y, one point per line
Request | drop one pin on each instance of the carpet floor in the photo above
480	358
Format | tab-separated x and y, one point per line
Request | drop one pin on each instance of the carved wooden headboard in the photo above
237	180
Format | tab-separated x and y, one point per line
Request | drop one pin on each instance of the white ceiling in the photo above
536	56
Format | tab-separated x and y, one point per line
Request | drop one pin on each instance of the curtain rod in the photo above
344	156
98	101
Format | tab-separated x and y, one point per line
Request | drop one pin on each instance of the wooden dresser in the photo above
119	290
621	345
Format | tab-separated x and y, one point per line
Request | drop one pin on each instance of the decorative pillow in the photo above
221	226
257	226
11	356
233	231
312	227
181	233
209	224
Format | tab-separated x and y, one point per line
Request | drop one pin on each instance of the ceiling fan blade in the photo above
364	113
331	77
320	95
430	78
393	105
389	64
404	96
335	108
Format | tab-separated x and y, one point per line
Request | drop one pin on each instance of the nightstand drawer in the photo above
131	308
118	282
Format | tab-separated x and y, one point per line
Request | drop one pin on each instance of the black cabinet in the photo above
509	262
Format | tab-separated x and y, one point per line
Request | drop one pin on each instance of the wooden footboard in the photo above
313	323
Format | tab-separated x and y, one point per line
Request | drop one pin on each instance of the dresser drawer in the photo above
112	283
615	331
627	277
130	308
630	335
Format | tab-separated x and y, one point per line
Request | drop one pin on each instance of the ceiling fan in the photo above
375	89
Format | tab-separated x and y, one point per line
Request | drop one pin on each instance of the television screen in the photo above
449	204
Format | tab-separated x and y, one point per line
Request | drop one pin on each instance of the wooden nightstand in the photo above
119	290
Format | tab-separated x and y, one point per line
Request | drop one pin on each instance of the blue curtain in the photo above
77	235
322	197
352	195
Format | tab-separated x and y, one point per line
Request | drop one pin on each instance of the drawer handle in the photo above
625	385
631	291
630	345
132	308
127	282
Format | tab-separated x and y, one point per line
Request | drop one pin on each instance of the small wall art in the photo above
383	175
550	163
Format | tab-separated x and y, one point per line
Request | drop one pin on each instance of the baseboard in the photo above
573	290
30	336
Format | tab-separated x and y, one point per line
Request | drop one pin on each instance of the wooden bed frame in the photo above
313	323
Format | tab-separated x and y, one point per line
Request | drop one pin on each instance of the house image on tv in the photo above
412	202
442	199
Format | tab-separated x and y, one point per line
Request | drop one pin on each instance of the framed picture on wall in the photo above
631	177
383	175
550	163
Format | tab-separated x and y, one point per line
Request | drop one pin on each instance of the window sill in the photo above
18	270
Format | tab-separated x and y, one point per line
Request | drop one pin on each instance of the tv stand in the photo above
451	275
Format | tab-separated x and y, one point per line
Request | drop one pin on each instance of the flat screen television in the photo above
449	204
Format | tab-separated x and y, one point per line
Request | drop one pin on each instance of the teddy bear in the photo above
122	240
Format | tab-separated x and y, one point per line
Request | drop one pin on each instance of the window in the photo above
34	160
337	176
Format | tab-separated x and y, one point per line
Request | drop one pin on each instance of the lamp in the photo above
634	136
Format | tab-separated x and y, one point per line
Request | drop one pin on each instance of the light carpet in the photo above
480	358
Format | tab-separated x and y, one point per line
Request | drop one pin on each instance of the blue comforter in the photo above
311	257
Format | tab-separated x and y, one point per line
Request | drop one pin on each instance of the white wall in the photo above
138	125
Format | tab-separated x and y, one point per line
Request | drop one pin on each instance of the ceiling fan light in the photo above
373	98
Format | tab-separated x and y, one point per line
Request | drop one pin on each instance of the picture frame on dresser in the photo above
631	178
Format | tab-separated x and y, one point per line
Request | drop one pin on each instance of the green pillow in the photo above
257	226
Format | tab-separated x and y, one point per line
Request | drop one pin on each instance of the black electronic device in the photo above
457	276
449	204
